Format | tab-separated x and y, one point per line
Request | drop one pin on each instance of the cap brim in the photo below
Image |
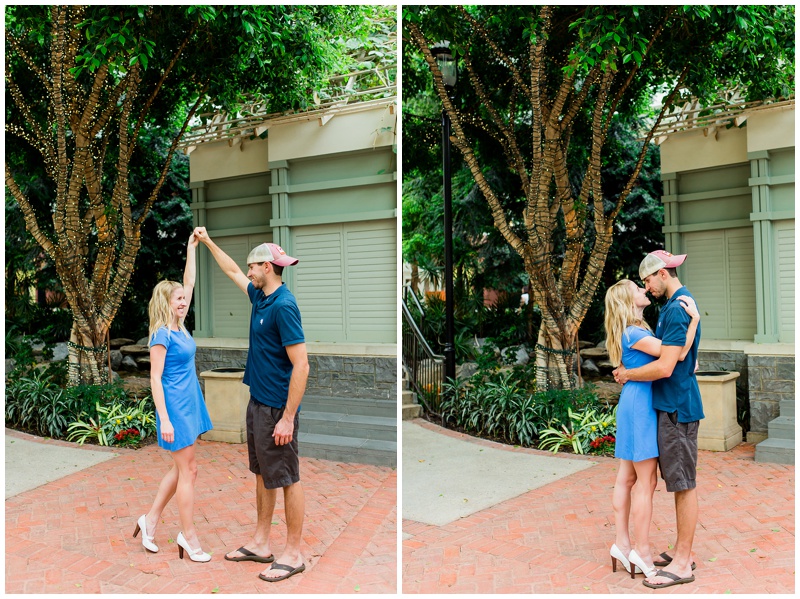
676	261
286	261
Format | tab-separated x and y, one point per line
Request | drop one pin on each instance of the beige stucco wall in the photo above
691	150
770	129
343	132
218	160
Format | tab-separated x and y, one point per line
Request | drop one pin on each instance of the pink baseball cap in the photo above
655	261
270	252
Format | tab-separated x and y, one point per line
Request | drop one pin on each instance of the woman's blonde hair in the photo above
159	308
620	314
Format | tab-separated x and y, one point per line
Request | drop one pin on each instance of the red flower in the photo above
601	442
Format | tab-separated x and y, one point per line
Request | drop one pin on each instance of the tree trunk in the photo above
415	279
554	362
563	283
86	218
88	356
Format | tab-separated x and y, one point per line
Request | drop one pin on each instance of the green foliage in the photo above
35	404
36	401
104	424
499	410
20	348
579	431
584	95
502	406
503	324
88	428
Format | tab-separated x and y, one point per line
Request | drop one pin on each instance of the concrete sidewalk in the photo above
33	461
69	523
555	537
446	478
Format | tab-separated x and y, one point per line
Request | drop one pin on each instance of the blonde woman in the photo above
181	414
631	342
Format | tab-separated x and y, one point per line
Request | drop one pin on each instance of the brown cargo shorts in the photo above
677	452
278	465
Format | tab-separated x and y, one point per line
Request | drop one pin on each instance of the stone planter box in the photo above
719	430
226	399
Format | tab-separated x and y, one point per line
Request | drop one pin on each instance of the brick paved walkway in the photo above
74	535
555	539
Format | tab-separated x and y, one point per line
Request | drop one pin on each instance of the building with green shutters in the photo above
729	203
323	185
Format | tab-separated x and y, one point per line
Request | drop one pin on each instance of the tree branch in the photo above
12	42
30	215
498	214
510	148
496	49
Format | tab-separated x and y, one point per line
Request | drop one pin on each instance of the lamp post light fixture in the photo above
447	65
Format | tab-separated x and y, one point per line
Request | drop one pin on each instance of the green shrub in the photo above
34	403
18	348
37	402
104	423
582	428
502	408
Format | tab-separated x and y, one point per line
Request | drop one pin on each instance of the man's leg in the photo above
295	513
679	473
294	499
265	506
686	509
265	498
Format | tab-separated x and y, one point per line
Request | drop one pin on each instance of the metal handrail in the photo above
425	368
407	290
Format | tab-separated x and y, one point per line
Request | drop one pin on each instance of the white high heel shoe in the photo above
616	554
196	555
147	541
636	560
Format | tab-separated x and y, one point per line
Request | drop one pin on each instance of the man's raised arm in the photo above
225	262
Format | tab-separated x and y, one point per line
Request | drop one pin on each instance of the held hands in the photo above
621	375
690	306
167	431
201	235
193	241
284	430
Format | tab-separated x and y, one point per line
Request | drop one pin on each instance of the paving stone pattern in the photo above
74	535
556	539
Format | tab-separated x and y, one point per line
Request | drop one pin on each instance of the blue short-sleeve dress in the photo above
184	399
637	432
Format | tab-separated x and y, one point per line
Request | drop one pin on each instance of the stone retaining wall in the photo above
208	358
367	377
771	380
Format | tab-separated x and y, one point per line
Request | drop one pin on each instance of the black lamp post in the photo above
447	65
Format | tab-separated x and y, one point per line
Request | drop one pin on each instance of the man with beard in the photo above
276	372
676	398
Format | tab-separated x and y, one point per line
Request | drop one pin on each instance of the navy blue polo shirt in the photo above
274	324
680	391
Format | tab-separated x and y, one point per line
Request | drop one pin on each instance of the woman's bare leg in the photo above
187	473
642	506
166	489
621	502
